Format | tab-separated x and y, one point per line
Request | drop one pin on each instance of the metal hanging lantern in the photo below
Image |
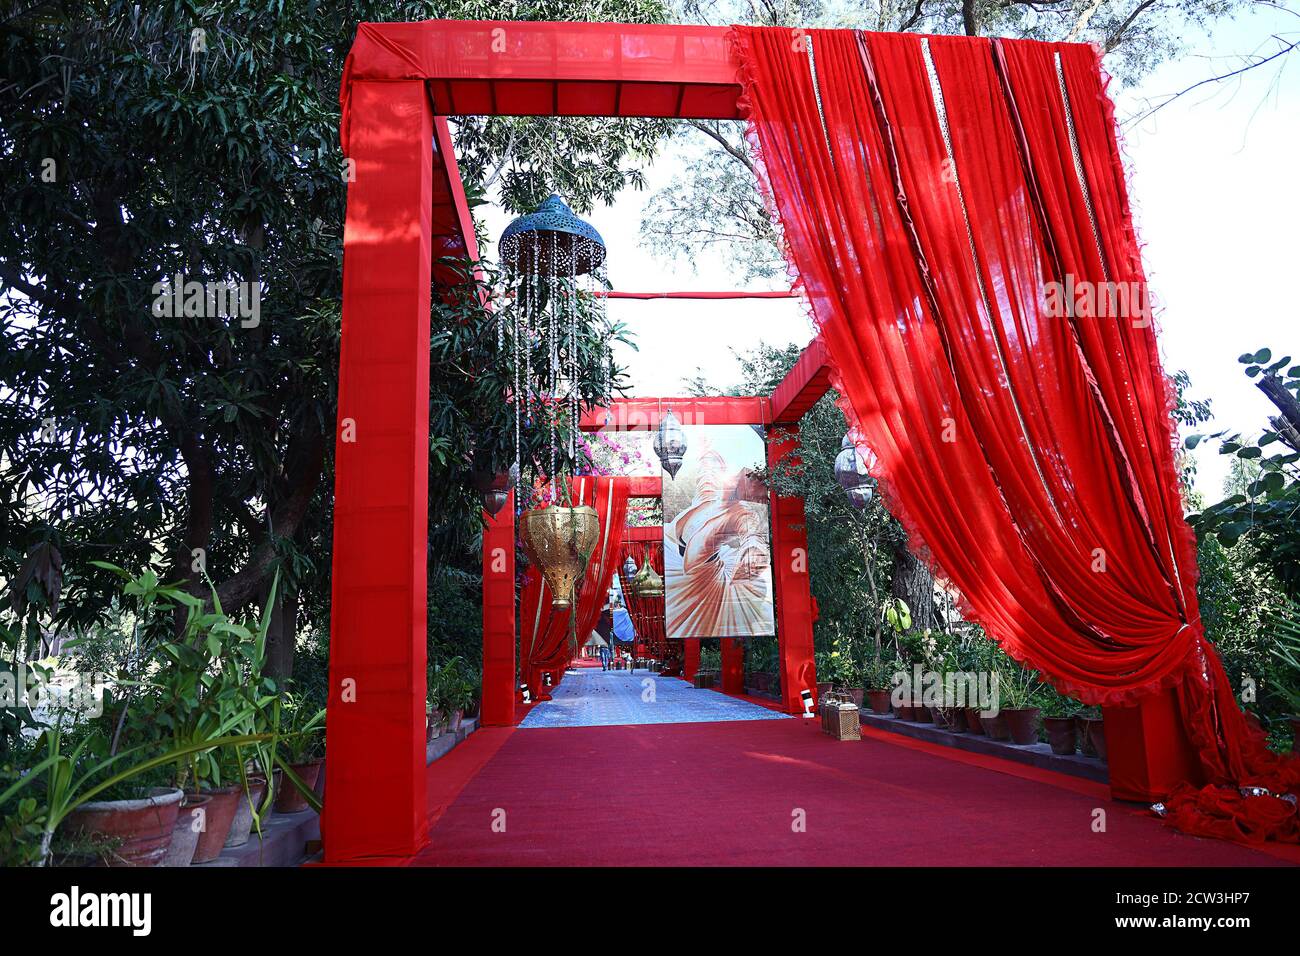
495	489
552	241
851	474
559	541
648	583
670	443
629	568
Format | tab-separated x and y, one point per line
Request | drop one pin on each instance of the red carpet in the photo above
712	794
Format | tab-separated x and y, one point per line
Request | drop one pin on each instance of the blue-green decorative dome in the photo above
552	240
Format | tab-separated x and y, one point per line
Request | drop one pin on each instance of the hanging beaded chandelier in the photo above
552	263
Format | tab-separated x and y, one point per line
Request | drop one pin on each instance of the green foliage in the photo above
452	685
127	156
1284	658
1264	512
302	730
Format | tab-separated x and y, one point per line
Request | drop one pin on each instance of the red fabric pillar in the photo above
733	665
376	771
794	616
1148	753
498	706
691	659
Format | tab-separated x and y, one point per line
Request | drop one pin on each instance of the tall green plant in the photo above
68	783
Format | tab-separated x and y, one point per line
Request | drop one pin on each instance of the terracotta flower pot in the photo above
974	723
1061	734
996	727
216	824
140	830
288	799
433	725
941	717
1022	724
878	700
1097	736
185	835
457	716
855	693
823	688
1085	739
904	712
241	824
957	719
922	714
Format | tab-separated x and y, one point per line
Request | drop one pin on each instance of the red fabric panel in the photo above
734	294
691	662
377	625
544	634
647	613
733	665
794	630
498	703
1028	453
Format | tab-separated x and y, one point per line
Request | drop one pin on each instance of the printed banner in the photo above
717	538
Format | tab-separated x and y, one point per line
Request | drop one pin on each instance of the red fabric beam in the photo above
518	68
643	414
645	486
803	386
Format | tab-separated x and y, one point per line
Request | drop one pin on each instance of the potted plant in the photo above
1017	686
300	753
1092	732
133	825
433	703
201	687
1058	720
190	824
876	683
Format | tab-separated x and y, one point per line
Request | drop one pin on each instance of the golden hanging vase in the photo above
648	583
560	541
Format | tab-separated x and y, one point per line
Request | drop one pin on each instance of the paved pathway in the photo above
596	698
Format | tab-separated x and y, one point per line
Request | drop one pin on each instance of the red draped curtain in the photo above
544	633
930	196
647	613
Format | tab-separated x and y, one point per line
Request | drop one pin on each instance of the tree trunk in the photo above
281	636
914	584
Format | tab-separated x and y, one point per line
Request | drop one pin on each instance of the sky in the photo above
1217	204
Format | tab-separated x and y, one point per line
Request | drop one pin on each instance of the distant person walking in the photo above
605	628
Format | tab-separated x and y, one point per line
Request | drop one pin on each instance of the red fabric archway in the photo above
929	205
544	641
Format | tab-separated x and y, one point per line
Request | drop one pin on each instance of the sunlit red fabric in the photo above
1030	455
544	634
